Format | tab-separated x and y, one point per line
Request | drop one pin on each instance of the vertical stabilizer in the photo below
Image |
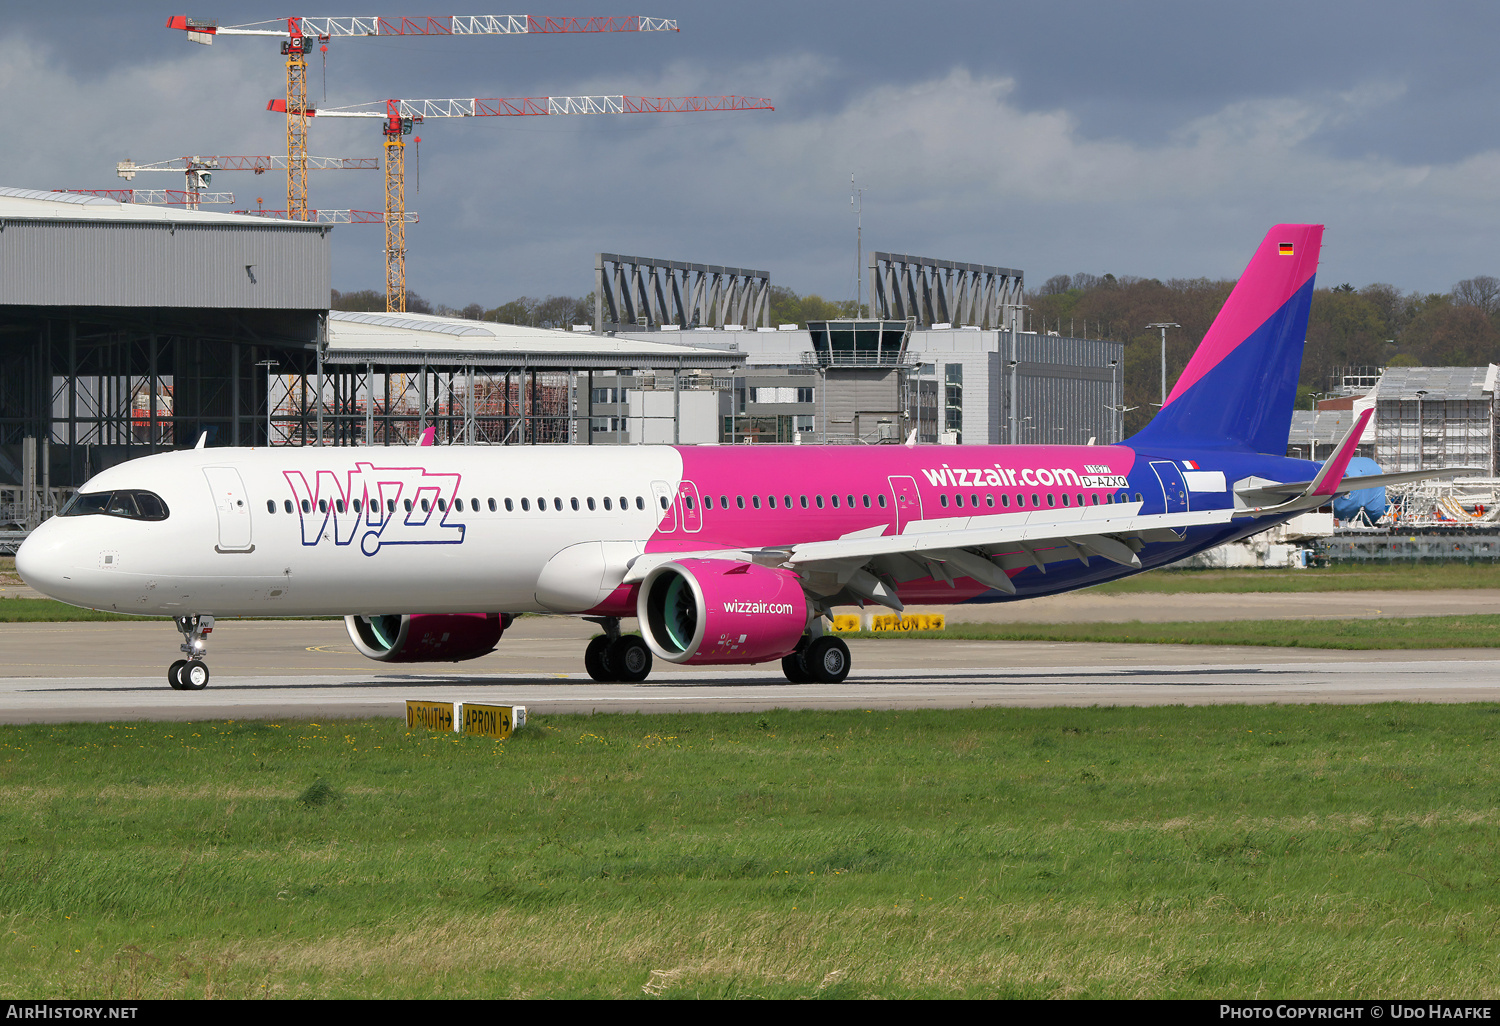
1238	390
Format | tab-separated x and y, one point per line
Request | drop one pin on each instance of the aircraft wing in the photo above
866	564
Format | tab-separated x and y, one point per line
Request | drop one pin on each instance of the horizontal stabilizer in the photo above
1264	493
1326	484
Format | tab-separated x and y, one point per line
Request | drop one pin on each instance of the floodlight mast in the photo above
296	33
1164	325
399	117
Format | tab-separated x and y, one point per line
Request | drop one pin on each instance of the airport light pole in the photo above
1164	325
1421	435
1312	443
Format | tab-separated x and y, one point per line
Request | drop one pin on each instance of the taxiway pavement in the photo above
58	672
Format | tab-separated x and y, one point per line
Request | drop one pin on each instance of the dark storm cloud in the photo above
1157	139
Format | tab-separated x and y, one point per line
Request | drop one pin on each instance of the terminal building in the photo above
942	357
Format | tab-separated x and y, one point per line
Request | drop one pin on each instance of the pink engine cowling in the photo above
716	611
426	637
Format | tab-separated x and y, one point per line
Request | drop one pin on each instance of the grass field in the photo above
1134	852
1340	577
1412	632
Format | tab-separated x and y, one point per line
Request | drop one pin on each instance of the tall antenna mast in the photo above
859	242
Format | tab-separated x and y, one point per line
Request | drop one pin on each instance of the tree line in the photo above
564	311
1378	325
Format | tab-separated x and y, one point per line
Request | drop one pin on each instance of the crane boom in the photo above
334	216
526	106
157	197
202	30
258	164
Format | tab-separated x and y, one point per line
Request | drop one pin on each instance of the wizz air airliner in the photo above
725	555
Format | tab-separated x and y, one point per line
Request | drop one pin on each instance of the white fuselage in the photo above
223	550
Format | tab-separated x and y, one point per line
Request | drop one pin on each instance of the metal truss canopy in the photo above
943	291
633	291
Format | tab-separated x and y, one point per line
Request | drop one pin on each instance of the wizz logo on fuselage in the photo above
378	505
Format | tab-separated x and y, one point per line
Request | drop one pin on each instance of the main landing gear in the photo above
616	657
191	674
818	660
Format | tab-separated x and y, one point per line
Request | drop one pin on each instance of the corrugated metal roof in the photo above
1439	382
416	338
67	206
1324	426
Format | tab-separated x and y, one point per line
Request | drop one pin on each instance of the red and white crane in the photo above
296	32
158	197
399	116
198	172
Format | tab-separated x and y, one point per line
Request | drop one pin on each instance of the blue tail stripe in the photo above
1246	401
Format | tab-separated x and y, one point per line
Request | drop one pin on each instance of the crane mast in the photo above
399	116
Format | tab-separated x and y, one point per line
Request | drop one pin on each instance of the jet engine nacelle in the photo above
707	611
426	637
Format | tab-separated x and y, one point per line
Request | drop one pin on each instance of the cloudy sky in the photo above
1159	139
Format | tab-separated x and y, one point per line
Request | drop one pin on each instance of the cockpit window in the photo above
129	503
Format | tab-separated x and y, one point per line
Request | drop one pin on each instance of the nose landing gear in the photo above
191	674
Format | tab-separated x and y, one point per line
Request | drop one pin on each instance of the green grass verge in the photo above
1224	852
30	610
1340	577
1477	631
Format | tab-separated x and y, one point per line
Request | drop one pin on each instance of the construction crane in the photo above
198	171
336	216
158	197
400	116
295	32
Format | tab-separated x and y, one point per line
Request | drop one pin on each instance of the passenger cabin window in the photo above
125	503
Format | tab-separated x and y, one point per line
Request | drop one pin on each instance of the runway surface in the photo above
268	669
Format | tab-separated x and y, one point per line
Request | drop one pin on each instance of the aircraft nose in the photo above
43	560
